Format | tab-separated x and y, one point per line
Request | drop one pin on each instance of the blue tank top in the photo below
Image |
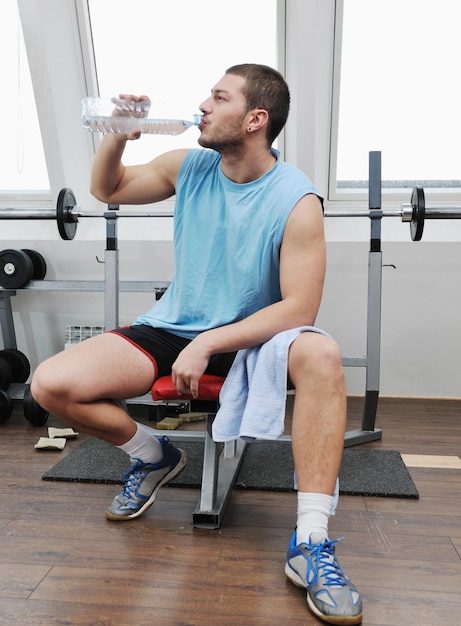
227	239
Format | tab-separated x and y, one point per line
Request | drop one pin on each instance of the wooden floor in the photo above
62	562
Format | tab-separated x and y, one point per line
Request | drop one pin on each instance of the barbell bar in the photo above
416	213
67	213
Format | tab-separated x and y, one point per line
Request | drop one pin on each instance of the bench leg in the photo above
221	465
220	469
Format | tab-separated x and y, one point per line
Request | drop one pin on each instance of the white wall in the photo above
421	305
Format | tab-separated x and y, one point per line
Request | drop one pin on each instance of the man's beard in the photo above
230	141
235	146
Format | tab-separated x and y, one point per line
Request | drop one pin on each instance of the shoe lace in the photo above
326	564
131	478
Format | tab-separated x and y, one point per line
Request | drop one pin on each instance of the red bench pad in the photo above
208	389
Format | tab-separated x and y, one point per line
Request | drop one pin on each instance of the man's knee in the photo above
38	382
45	383
314	354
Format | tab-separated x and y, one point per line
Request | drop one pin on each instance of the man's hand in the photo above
129	105
188	368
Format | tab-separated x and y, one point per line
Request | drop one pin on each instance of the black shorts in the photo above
163	348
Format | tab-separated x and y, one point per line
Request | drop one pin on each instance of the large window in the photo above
176	51
22	160
398	91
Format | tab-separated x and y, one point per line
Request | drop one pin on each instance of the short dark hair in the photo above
265	88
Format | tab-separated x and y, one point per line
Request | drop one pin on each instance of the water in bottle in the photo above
121	115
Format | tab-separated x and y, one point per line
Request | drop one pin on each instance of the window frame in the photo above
358	197
54	51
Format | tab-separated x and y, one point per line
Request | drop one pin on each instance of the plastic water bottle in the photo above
120	115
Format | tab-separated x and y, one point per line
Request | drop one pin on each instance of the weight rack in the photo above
220	468
112	286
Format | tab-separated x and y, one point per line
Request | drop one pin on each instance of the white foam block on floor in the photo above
45	443
66	433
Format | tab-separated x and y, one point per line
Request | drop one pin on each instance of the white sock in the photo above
143	446
313	514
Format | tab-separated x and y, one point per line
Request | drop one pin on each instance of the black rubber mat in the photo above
267	466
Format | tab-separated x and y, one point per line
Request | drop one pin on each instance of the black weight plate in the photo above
6	406
18	362
6	374
16	269
38	262
418	205
67	224
33	412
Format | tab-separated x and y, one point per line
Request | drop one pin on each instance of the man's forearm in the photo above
255	329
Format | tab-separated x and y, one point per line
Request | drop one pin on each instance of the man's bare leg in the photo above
80	386
319	413
319	422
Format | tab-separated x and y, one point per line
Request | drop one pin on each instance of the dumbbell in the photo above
14	368
18	267
33	412
6	406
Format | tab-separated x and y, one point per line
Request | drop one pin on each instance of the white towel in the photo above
253	396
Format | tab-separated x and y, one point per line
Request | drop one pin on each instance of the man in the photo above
250	264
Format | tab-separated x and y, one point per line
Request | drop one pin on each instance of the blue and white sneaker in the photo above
143	481
330	594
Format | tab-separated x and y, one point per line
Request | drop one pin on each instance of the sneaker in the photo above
330	594
143	481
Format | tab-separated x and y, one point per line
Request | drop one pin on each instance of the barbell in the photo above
67	213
